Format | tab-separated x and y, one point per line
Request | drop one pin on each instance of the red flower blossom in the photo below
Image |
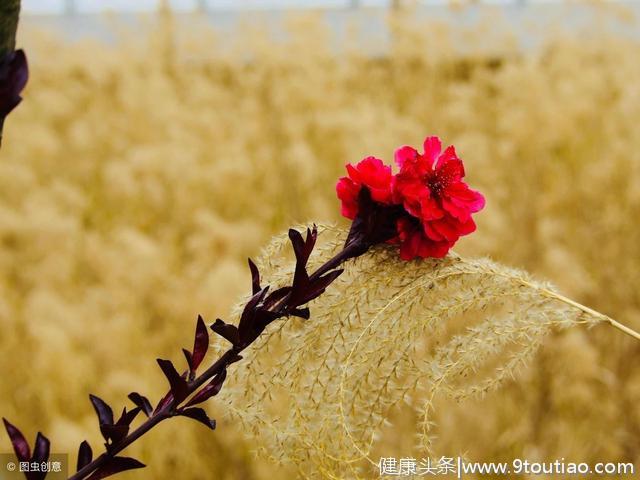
431	189
431	204
414	243
371	173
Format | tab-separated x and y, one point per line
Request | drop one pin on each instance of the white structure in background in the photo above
71	7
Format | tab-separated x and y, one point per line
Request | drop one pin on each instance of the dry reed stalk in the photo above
396	333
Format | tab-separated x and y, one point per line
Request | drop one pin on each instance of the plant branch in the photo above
154	420
14	71
9	14
171	409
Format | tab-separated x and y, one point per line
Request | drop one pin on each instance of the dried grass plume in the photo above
391	334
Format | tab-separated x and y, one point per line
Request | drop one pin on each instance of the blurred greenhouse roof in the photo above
528	19
96	6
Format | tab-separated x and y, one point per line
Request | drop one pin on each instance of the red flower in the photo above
427	201
414	243
431	189
371	173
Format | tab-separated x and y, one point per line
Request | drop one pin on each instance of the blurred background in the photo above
161	143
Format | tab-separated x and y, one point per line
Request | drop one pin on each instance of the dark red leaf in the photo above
255	277
296	241
211	389
200	344
178	384
227	331
302	313
301	288
104	412
115	433
200	415
374	224
142	402
189	357
14	73
20	445
246	327
85	455
300	276
275	296
263	318
303	248
41	449
116	465
127	417
164	401
234	359
318	286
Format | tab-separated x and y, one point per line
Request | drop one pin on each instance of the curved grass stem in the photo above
594	313
589	311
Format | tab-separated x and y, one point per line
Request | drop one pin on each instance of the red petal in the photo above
354	174
434	249
348	191
467	227
405	155
460	201
449	168
370	172
432	148
443	229
430	209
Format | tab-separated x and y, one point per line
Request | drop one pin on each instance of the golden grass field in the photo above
136	178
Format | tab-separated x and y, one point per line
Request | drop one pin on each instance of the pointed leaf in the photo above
318	286
297	242
178	384
302	250
306	247
104	412
85	455
246	329
234	359
41	449
164	401
262	319
211	389
14	73
115	433
255	277
200	344
300	276
302	313
275	296
314	288
142	402
127	417
20	445
227	331
199	415
189	357
116	465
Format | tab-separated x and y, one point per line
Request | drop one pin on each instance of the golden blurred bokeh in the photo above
138	175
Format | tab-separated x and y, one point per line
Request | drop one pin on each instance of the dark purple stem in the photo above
352	249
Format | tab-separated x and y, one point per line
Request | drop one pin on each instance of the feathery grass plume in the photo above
391	333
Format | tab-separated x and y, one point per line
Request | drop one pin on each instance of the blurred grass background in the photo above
138	175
